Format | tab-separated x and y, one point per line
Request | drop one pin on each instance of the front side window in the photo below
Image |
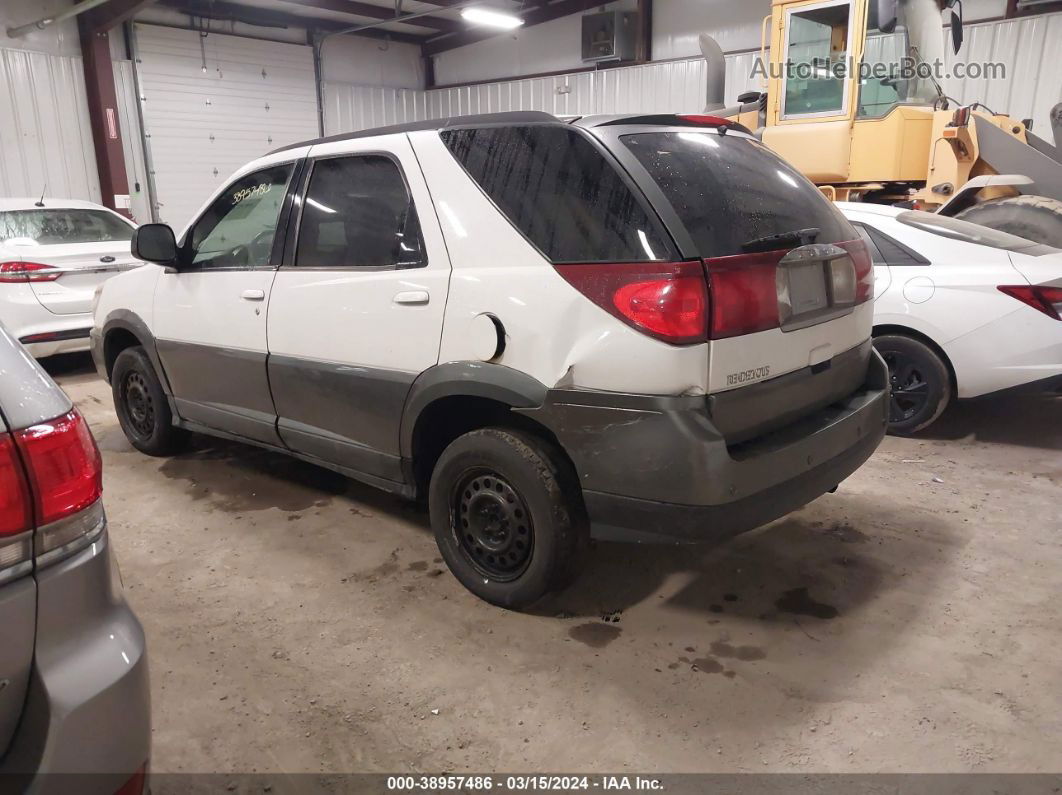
358	214
238	229
817	60
61	226
561	193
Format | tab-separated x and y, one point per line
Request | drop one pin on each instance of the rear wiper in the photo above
798	237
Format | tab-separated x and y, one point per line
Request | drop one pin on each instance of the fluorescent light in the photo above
492	19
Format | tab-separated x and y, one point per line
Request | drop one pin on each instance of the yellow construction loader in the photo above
852	97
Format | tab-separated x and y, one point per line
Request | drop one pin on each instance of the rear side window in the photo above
52	227
887	251
560	192
358	214
735	196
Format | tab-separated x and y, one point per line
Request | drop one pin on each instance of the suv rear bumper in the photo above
86	725
657	468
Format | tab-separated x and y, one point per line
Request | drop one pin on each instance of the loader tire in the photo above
1035	218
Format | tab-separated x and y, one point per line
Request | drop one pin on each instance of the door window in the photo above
238	229
358	214
817	49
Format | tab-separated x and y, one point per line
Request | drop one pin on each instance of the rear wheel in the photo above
141	405
1032	217
507	517
919	382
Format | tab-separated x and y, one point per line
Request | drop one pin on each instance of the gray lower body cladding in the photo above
659	468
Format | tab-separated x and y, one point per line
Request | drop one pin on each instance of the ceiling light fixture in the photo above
493	19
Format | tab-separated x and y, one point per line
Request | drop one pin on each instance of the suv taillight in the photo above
745	289
12	272
1040	297
666	300
744	293
52	479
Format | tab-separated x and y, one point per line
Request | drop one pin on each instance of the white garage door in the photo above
213	102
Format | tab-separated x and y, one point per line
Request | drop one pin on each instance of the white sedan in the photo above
960	310
53	254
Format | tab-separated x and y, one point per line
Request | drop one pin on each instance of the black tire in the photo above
524	531
141	405
1032	217
919	381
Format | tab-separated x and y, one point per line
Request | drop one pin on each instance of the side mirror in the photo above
882	15
155	243
956	30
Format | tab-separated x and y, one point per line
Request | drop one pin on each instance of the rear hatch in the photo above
64	253
790	280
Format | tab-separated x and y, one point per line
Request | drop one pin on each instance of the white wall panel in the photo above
45	138
254	96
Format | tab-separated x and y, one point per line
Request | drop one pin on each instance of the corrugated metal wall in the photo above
45	139
1032	87
1028	47
667	86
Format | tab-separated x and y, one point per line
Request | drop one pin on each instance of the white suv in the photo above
637	328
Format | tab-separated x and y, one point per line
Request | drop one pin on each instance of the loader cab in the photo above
811	86
840	123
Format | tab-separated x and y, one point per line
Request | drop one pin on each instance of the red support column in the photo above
103	117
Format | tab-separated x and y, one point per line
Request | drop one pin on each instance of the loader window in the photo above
817	68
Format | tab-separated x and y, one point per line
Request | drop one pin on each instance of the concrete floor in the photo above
301	622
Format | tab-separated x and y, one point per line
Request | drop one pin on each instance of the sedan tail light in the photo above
1040	297
20	272
51	478
16	513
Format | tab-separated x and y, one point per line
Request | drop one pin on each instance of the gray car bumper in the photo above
86	726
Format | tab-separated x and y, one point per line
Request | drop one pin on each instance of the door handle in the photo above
412	297
253	295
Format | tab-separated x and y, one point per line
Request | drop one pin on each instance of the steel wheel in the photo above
139	405
910	389
492	525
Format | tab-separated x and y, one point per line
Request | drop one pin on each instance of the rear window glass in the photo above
735	196
971	233
50	227
557	189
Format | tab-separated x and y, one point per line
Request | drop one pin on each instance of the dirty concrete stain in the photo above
236	479
748	653
595	634
847	534
798	602
418	565
706	665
